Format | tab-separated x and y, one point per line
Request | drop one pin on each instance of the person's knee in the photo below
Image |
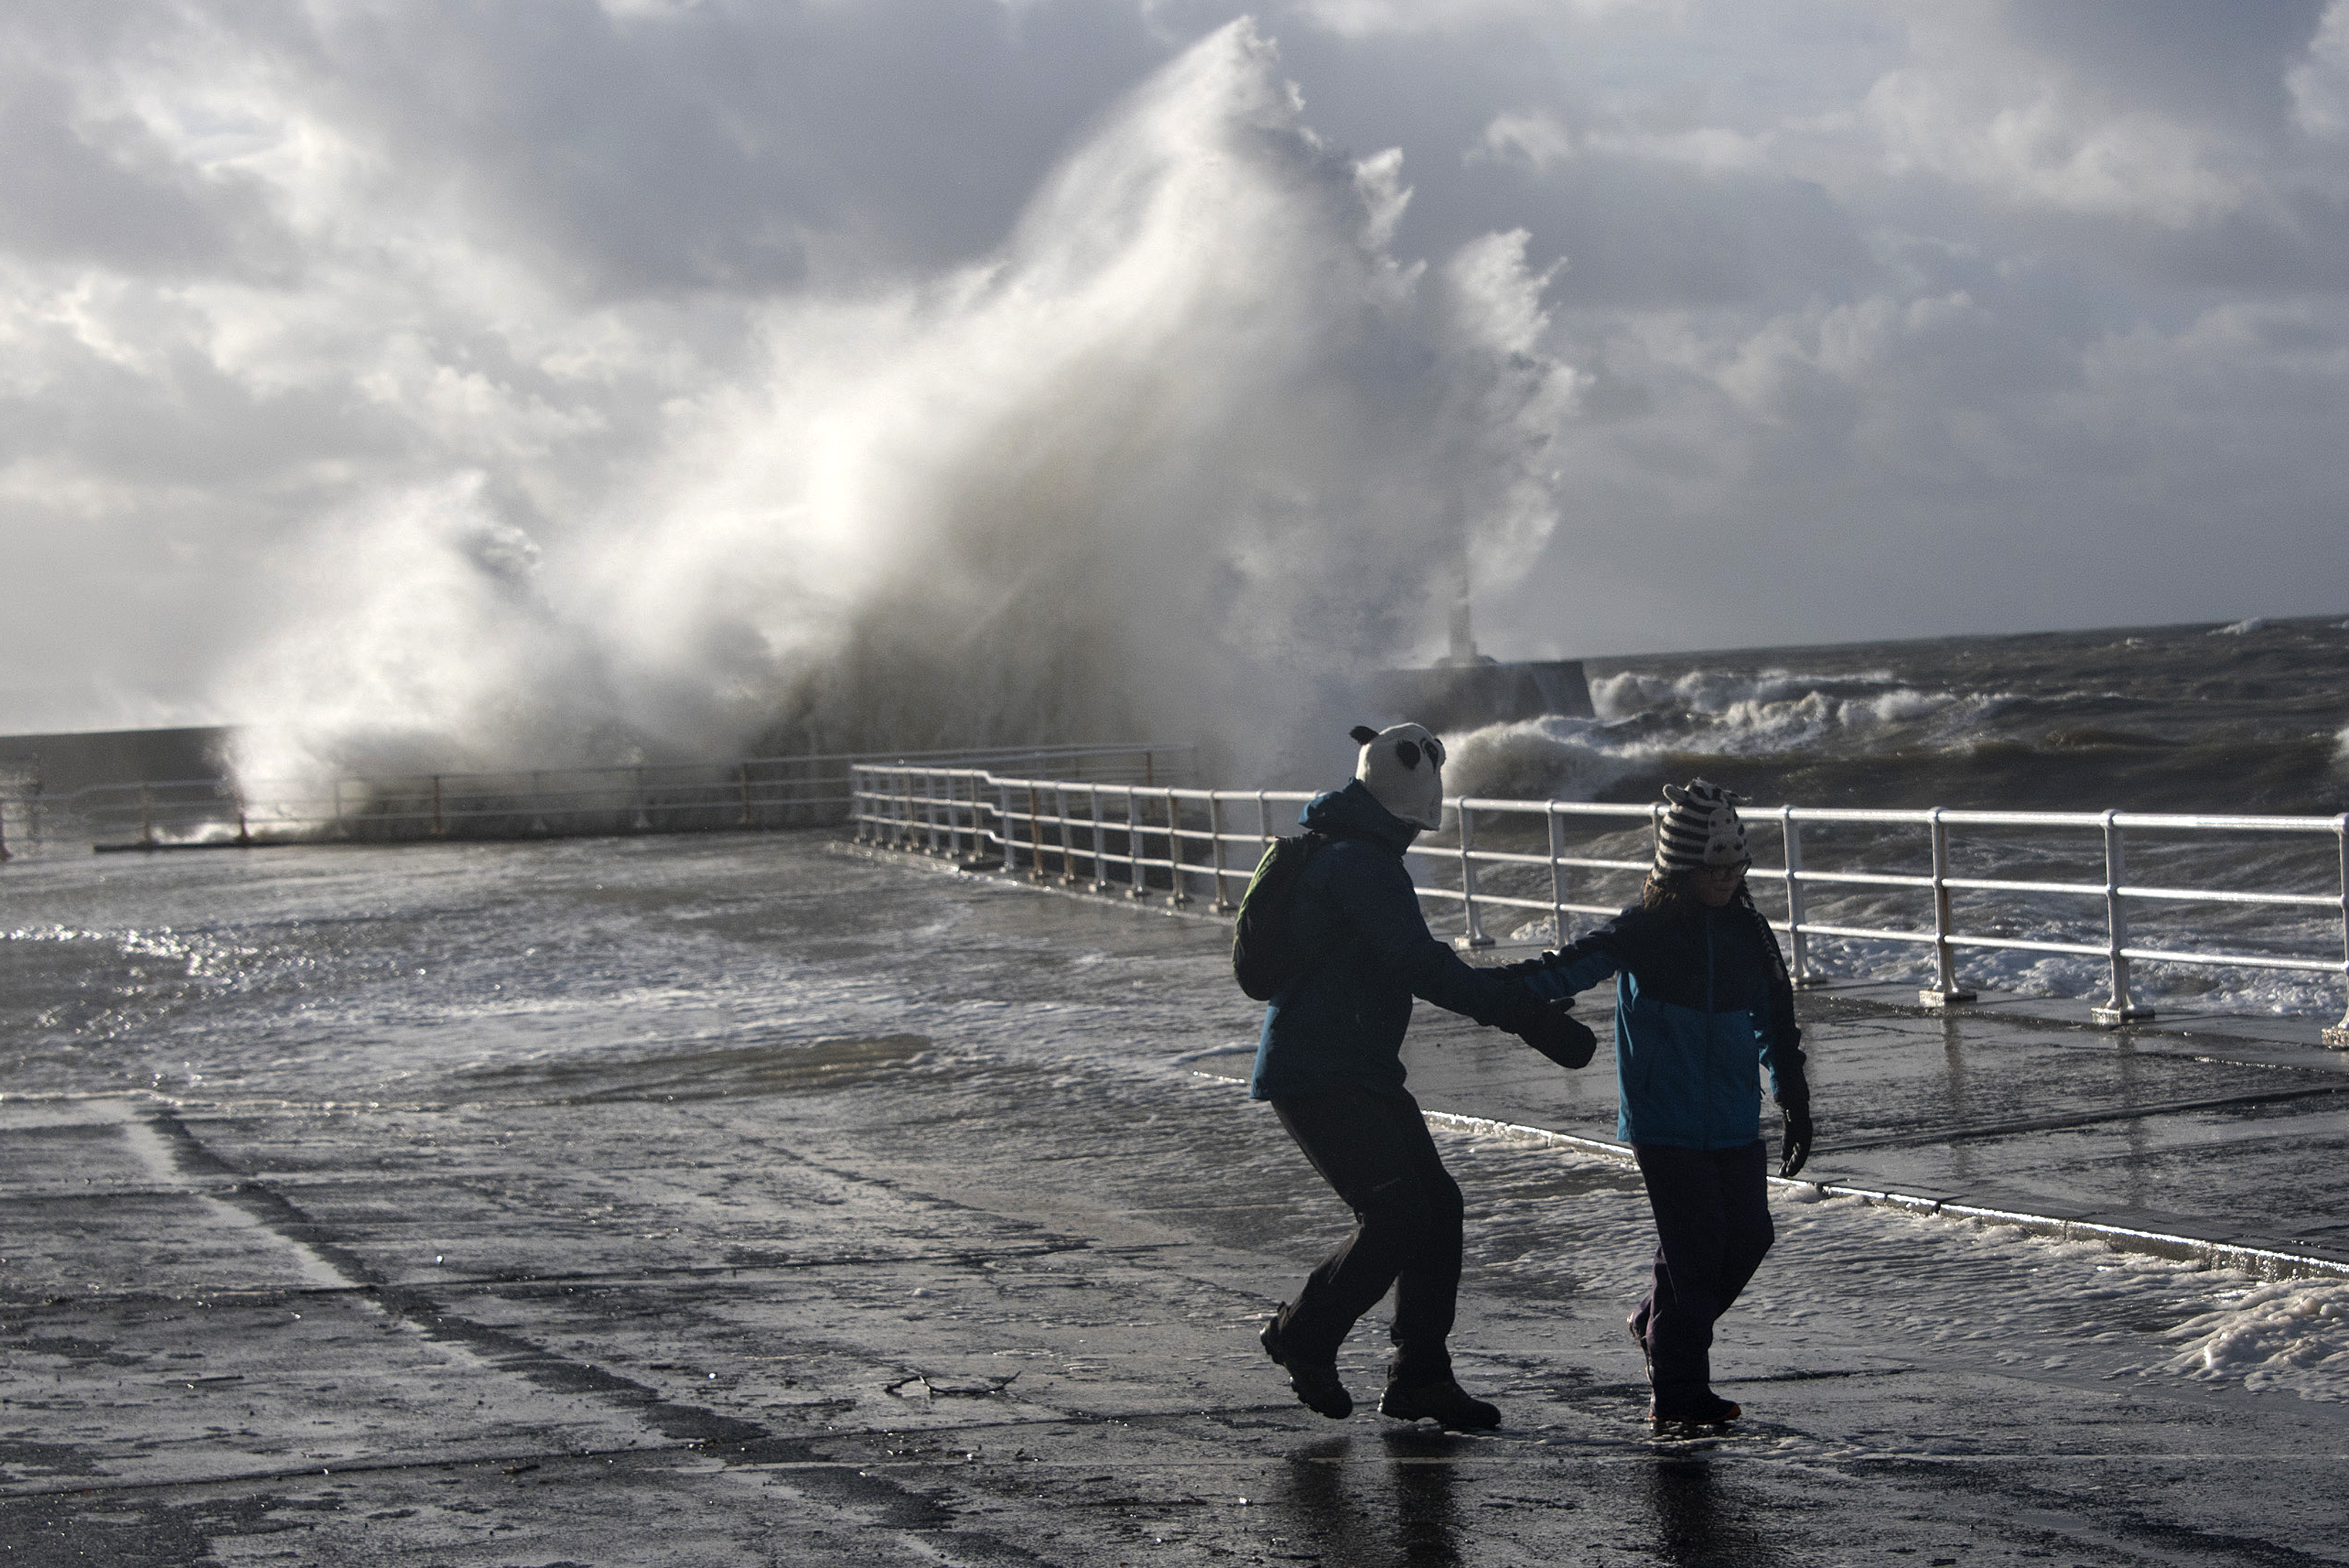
1411	1210
1445	1205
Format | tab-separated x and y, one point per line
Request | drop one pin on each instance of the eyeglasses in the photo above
1729	873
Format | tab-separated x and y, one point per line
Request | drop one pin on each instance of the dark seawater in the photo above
2251	718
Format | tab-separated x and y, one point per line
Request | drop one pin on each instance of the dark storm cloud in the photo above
2225	62
704	146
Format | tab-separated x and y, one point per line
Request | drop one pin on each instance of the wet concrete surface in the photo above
2204	1134
959	1259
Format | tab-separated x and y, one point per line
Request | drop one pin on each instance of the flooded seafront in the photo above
740	1200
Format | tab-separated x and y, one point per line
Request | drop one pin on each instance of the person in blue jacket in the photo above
1329	1061
1701	996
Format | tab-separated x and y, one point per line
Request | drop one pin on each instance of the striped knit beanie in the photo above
1699	828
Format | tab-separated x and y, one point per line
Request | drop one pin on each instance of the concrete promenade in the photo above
966	1270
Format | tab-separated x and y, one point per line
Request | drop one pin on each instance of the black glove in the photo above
1798	1138
1549	1029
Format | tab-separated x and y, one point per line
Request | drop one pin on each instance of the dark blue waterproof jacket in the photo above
1342	1020
1699	998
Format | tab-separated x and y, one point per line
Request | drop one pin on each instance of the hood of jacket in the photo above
1356	812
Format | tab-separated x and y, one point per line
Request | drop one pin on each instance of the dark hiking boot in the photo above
1445	1403
1315	1382
1708	1409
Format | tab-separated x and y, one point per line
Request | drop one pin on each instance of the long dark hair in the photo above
1671	893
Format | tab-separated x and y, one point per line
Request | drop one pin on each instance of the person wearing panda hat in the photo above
1329	1061
1701	997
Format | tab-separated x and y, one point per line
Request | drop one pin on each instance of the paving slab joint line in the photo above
76	1486
2265	1263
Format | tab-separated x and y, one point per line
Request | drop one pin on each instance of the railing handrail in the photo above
985	813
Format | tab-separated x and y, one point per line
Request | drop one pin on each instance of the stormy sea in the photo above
2251	718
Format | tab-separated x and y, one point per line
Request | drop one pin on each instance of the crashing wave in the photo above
1646	720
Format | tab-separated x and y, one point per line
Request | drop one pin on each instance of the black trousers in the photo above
1713	1228
1371	1144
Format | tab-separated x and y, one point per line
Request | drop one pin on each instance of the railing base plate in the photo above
2117	1017
1939	999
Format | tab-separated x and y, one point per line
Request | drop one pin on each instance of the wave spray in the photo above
1190	448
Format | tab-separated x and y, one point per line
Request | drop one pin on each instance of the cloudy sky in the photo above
528	367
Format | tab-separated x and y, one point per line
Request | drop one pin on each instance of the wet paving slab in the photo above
975	1278
2203	1135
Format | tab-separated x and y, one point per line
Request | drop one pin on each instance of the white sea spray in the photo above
1192	440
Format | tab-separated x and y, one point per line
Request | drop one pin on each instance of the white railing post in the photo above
1473	926
1068	860
1003	826
1139	886
1222	906
1177	894
2337	1035
1035	836
1557	820
2121	1008
1101	872
1945	991
1798	942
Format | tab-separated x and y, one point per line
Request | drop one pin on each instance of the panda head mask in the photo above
1402	767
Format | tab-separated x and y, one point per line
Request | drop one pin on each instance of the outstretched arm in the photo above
1574	967
1374	894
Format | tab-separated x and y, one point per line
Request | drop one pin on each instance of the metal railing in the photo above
1506	859
757	793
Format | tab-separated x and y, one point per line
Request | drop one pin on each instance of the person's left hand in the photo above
1554	1032
1798	1140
